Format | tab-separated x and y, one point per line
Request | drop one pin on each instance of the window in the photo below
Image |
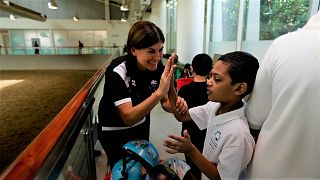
261	21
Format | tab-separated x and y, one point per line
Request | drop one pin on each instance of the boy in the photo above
228	144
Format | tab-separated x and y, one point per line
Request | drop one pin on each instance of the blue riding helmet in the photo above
129	169
143	151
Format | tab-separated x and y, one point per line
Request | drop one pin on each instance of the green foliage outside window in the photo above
230	14
277	17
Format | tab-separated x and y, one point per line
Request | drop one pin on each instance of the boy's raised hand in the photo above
181	105
178	104
178	144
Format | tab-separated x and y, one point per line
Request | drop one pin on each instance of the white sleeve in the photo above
200	115
259	104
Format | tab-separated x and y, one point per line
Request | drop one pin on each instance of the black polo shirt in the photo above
124	83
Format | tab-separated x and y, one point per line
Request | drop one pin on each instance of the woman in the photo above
134	84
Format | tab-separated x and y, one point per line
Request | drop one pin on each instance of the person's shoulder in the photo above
118	61
115	62
286	38
184	90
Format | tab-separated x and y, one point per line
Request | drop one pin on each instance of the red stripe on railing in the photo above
31	159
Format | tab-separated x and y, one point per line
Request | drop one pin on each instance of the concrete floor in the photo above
162	124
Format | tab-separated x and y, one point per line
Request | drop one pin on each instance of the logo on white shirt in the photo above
214	140
217	135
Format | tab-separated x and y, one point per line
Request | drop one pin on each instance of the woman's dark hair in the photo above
143	34
243	67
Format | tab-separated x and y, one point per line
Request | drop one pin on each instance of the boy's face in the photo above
219	87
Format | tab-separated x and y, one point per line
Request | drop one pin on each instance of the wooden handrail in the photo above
29	162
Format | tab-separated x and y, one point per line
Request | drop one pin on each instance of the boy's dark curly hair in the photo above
243	67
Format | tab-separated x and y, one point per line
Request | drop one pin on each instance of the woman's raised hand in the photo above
166	77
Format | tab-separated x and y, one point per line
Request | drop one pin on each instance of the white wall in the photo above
190	29
158	15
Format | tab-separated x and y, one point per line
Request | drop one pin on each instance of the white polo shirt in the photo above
228	142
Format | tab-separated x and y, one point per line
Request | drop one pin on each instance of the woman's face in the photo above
148	58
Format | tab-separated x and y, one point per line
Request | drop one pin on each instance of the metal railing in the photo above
64	149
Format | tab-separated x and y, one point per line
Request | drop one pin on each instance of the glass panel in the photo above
59	42
266	20
224	24
171	25
17	42
46	41
30	37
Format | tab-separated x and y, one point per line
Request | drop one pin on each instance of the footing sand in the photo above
29	100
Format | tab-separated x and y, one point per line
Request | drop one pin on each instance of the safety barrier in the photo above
64	50
64	149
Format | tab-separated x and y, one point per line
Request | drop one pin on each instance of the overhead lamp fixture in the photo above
123	6
52	4
18	10
76	18
13	17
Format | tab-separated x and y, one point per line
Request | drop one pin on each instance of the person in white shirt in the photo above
228	144
285	105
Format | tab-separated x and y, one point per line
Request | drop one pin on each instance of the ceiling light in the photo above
16	9
6	3
76	18
52	4
13	17
124	8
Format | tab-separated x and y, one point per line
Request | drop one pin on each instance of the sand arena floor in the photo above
29	100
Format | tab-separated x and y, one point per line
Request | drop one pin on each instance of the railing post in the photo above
88	136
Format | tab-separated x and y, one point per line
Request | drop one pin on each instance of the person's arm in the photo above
173	103
177	144
259	103
133	114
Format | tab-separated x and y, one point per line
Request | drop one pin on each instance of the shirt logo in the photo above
217	135
153	84
214	140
